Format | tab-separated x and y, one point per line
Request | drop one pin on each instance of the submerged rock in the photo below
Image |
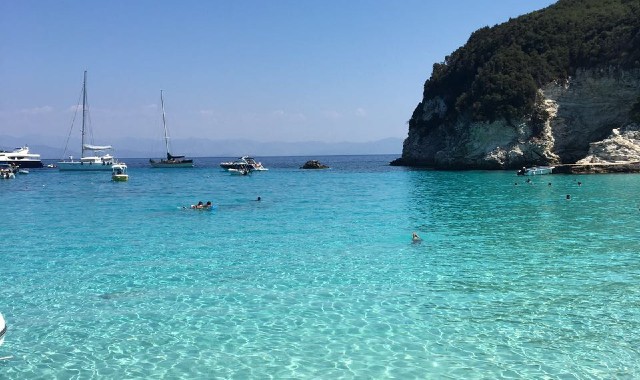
314	164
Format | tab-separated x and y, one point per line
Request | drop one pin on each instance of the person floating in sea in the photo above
568	197
259	199
201	206
415	238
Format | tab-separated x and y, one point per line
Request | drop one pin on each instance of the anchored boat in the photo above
88	161
21	158
119	172
171	161
244	162
3	328
536	170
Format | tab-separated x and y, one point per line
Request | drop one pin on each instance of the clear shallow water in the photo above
320	279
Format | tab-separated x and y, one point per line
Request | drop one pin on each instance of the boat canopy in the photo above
96	147
172	157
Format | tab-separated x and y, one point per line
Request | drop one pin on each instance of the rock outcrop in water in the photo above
497	106
314	164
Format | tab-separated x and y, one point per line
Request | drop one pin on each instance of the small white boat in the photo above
3	328
119	172
536	170
23	171
242	162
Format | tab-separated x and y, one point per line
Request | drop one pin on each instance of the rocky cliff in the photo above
555	86
584	117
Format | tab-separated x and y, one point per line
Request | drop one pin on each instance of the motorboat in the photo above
243	162
240	170
536	170
3	328
92	157
171	161
7	171
21	158
119	172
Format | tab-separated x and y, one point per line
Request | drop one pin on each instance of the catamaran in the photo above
171	161
88	161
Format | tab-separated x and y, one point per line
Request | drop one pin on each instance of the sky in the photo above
264	70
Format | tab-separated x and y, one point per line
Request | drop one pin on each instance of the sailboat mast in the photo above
84	107
164	124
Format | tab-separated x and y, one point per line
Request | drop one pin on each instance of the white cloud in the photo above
294	117
75	108
332	114
37	110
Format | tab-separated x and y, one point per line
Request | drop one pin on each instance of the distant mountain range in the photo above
141	148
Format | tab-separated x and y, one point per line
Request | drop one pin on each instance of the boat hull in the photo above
536	170
120	177
82	167
3	328
27	164
168	164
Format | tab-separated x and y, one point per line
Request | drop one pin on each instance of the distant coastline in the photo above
137	148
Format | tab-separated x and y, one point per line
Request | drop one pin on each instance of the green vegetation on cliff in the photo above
496	74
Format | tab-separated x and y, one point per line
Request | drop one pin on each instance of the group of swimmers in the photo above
202	206
207	206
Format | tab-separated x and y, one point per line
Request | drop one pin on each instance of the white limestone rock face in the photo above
621	146
590	105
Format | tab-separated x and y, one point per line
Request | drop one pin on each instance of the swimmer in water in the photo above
415	237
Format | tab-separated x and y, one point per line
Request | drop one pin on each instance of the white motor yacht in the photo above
20	157
243	162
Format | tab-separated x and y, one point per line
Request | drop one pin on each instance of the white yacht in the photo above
94	160
21	158
243	162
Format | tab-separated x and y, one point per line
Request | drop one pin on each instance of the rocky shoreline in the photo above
589	123
626	167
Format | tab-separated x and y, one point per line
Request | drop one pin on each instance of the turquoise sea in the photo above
320	279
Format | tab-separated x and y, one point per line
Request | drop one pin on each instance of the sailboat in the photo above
89	161
171	161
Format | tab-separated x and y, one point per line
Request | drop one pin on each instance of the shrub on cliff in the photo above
496	73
